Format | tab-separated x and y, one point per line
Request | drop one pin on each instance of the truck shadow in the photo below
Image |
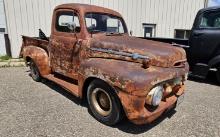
210	79
128	127
63	92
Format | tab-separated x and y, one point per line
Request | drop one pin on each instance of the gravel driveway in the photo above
28	108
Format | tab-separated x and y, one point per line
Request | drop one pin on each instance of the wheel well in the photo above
217	65
86	85
28	59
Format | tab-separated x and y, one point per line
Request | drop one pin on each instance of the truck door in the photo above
63	43
205	37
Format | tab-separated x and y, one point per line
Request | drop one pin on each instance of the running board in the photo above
71	87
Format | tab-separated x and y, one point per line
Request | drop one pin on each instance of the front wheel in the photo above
103	103
35	74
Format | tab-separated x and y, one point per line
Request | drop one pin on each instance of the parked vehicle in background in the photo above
203	46
90	54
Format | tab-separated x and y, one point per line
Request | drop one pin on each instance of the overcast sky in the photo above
214	3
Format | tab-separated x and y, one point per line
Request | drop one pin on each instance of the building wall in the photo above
25	17
2	25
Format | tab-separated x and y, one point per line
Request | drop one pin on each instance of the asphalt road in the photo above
28	108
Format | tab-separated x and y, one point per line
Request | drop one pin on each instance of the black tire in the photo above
34	71
218	75
114	113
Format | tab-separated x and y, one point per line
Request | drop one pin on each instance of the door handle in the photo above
77	46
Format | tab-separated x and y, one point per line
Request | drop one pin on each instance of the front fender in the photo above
128	76
214	61
39	56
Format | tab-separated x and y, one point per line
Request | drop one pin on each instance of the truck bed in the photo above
35	41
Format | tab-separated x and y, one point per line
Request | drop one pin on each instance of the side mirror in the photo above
131	32
72	26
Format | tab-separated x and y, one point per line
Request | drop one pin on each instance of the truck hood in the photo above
159	54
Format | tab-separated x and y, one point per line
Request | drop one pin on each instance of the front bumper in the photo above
137	111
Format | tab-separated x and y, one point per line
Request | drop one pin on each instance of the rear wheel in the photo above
35	74
103	103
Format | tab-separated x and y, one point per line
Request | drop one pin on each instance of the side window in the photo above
217	22
65	18
204	22
210	20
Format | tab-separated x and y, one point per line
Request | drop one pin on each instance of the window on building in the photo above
65	18
2	30
149	30
182	34
210	20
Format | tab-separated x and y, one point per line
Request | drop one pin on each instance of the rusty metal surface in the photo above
36	50
128	76
84	8
139	113
160	54
131	65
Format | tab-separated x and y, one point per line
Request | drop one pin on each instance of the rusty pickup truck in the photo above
91	55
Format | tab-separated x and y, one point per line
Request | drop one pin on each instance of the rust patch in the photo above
139	114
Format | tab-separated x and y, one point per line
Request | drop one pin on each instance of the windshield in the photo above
99	22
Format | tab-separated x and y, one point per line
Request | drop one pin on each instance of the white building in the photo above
2	29
156	18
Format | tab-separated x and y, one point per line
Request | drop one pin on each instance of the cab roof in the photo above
85	8
210	8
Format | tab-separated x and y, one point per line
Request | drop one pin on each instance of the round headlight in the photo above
155	95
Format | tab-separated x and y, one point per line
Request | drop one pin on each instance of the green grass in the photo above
5	57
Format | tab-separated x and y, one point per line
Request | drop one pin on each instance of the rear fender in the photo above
39	56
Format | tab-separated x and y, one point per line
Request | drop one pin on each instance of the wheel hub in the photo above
104	101
101	101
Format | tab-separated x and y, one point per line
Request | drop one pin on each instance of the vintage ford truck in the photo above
90	54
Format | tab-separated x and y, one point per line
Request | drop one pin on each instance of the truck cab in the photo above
204	42
85	22
91	55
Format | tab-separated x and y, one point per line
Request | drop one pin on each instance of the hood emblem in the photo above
122	53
